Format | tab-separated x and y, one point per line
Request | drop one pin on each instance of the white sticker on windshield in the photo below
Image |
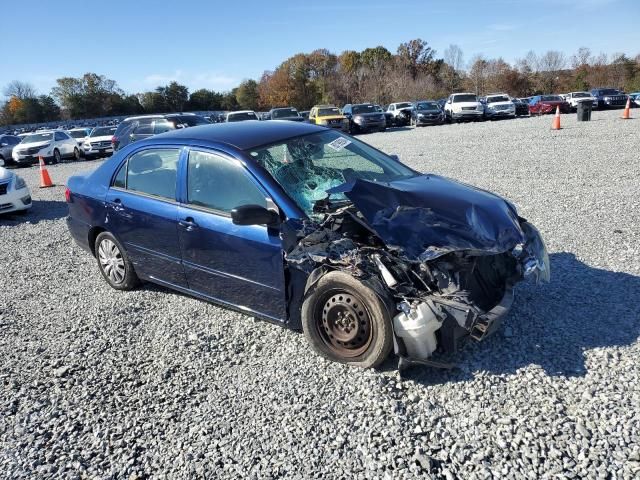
339	143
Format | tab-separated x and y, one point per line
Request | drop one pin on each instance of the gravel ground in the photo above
153	384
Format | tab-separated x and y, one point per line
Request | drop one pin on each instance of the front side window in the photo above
307	166
153	172
58	136
220	183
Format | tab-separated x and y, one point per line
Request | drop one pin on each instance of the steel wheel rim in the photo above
111	261
344	324
56	154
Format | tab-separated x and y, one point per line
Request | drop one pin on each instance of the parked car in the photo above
14	192
387	115
635	99
53	146
313	230
522	106
426	112
400	113
327	116
132	129
364	117
287	113
98	143
463	107
7	144
499	105
240	116
541	104
79	134
609	97
573	98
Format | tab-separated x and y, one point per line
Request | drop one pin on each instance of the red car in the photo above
541	104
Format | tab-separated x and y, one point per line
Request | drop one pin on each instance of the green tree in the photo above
247	95
49	109
175	96
204	99
229	101
152	102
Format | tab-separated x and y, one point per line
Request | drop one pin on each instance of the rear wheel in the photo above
114	264
345	321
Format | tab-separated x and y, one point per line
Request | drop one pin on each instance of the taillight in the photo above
67	195
114	140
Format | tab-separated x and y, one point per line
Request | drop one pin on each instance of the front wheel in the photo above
57	158
114	264
345	321
76	154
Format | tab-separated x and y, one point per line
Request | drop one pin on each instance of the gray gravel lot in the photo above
97	383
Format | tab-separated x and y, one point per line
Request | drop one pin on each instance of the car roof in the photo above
138	117
242	135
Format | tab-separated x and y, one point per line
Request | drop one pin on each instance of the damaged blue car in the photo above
312	229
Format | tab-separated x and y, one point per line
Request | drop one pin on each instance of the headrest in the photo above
151	161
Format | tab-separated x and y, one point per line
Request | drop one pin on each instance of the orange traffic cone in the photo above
556	120
45	179
626	114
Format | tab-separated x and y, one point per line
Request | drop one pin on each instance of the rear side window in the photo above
121	178
146	129
152	172
220	183
162	126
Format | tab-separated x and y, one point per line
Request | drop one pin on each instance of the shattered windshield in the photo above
307	166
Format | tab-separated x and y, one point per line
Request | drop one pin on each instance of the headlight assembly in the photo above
358	119
19	183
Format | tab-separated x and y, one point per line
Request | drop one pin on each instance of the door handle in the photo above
188	224
117	205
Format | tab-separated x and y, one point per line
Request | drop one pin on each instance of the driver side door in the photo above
240	265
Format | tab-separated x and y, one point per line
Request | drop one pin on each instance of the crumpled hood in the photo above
429	215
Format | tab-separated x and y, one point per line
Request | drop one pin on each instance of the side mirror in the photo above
395	157
254	215
449	101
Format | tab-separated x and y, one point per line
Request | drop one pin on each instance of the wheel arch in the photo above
92	235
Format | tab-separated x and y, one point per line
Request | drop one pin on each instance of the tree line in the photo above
414	71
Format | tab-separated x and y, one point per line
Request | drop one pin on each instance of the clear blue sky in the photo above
142	44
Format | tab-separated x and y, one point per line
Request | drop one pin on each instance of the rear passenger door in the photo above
235	264
142	213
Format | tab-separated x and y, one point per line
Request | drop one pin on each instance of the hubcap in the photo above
111	260
344	325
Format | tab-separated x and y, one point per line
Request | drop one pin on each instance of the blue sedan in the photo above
312	229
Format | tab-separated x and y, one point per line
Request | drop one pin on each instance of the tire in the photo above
76	154
57	158
365	340
383	129
114	263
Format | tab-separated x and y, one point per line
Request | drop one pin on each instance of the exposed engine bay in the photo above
445	273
